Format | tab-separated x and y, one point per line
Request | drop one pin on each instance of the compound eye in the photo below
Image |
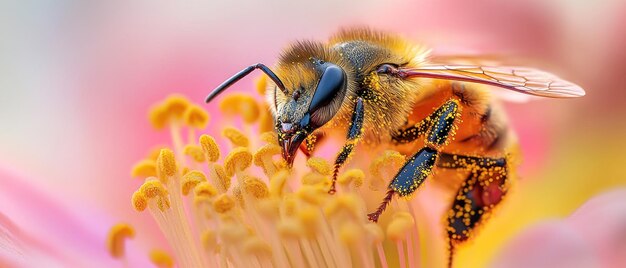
332	81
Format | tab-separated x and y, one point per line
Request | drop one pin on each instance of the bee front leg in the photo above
354	133
420	165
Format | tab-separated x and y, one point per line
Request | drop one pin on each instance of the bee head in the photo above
310	105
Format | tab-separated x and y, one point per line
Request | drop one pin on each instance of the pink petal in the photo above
547	244
38	231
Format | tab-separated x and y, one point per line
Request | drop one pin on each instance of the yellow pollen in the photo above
163	202
289	228
399	227
354	176
166	165
191	179
238	159
269	207
269	137
319	165
195	152
236	137
222	177
143	169
242	104
116	238
263	158
153	188
350	233
196	117
309	218
256	246
345	204
261	84
209	147
311	194
313	178
158	116
223	203
277	183
388	159
176	105
205	189
375	231
139	200
209	239
266	119
161	259
154	153
255	187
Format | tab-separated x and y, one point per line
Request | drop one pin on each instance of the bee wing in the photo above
520	79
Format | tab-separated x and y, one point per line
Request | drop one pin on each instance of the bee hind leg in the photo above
354	134
482	190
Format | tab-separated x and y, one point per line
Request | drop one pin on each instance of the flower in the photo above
216	211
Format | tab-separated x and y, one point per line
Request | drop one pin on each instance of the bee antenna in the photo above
241	74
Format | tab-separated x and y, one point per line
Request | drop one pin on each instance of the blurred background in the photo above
77	78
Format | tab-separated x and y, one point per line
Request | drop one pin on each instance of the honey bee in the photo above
382	90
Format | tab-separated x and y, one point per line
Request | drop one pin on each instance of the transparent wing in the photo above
520	79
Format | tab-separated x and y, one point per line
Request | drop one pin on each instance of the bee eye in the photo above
332	81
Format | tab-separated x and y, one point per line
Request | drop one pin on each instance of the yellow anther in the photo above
116	238
269	137
375	232
139	200
269	207
241	104
311	194
277	183
255	187
223	178
195	152
238	195
350	233
354	176
191	179
176	105
223	203
261	84
196	117
345	204
309	218
209	239
263	158
209	147
388	159
166	165
236	137
266	120
399	227
205	189
313	178
290	228
161	259
163	202
158	116
290	204
233	233
319	165
143	169
154	153
256	246
404	215
238	159
153	188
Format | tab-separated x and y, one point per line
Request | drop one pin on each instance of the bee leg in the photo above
484	188
455	161
413	132
354	133
420	165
